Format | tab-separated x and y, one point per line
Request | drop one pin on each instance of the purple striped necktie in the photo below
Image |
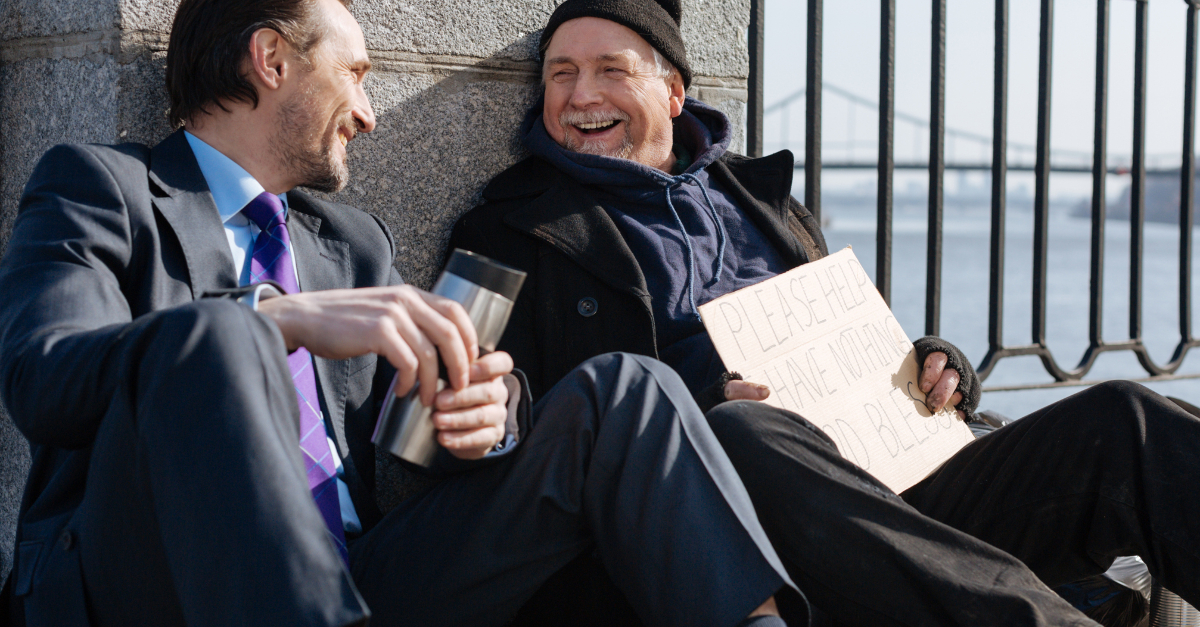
271	259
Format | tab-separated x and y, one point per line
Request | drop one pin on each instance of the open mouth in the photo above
596	127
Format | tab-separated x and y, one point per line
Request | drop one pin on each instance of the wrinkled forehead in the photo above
591	39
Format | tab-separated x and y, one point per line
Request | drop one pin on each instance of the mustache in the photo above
575	118
348	122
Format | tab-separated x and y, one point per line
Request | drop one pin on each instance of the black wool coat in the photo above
585	294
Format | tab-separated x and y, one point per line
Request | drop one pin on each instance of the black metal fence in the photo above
886	166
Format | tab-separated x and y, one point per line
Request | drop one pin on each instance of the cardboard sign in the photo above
821	337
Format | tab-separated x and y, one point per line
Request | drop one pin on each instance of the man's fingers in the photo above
942	390
471	418
426	354
956	399
476	394
932	370
738	390
431	333
470	444
457	316
490	366
397	352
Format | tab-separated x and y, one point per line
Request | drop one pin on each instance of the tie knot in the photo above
266	211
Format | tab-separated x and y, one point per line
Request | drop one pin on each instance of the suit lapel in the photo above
187	206
323	264
568	218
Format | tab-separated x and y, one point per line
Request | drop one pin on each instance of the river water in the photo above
964	304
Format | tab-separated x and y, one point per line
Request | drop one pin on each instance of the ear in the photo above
270	59
676	94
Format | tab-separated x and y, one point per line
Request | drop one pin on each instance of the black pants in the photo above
196	509
1111	471
620	464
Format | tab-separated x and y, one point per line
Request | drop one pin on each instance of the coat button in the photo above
588	307
67	540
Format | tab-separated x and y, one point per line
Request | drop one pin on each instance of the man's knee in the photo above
618	388
1120	412
215	331
628	367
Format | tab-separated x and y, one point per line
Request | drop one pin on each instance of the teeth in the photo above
345	140
595	125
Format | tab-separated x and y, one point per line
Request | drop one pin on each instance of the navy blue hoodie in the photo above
690	239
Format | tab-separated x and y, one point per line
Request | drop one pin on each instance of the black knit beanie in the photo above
656	21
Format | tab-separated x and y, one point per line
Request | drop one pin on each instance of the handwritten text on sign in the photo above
821	337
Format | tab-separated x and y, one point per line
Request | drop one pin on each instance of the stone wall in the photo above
452	81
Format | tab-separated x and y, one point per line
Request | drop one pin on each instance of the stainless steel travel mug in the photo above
487	290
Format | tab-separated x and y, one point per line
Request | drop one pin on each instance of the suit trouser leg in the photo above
857	550
1113	470
620	460
197	510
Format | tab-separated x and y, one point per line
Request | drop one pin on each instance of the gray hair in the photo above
665	69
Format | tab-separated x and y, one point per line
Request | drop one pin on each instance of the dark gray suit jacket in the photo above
105	237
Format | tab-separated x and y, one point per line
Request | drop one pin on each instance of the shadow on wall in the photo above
442	133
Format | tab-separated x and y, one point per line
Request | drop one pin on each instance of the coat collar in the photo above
568	218
187	205
761	187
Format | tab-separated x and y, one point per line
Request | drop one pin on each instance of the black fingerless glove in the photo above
714	394
968	381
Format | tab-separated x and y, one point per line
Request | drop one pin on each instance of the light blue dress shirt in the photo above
232	189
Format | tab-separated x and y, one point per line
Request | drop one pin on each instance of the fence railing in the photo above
886	166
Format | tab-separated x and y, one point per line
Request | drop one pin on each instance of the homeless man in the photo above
170	399
631	212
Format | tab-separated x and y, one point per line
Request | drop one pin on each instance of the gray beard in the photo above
624	151
316	169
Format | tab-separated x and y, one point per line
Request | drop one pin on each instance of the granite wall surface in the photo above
452	80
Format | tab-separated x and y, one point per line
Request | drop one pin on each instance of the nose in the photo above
364	115
587	91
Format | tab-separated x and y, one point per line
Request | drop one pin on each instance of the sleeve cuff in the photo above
259	293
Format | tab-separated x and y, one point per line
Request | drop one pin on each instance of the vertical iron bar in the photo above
812	139
1041	196
1099	176
754	96
999	179
937	169
887	148
1137	189
1187	189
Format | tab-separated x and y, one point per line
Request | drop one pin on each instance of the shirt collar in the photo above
231	185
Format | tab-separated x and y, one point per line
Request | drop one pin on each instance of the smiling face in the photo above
605	94
328	106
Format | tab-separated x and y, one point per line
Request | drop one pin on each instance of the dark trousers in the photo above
197	510
1111	471
620	462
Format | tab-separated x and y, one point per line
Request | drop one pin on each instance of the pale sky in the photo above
852	62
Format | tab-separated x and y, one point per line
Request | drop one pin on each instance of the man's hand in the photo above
738	390
407	326
940	384
470	421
